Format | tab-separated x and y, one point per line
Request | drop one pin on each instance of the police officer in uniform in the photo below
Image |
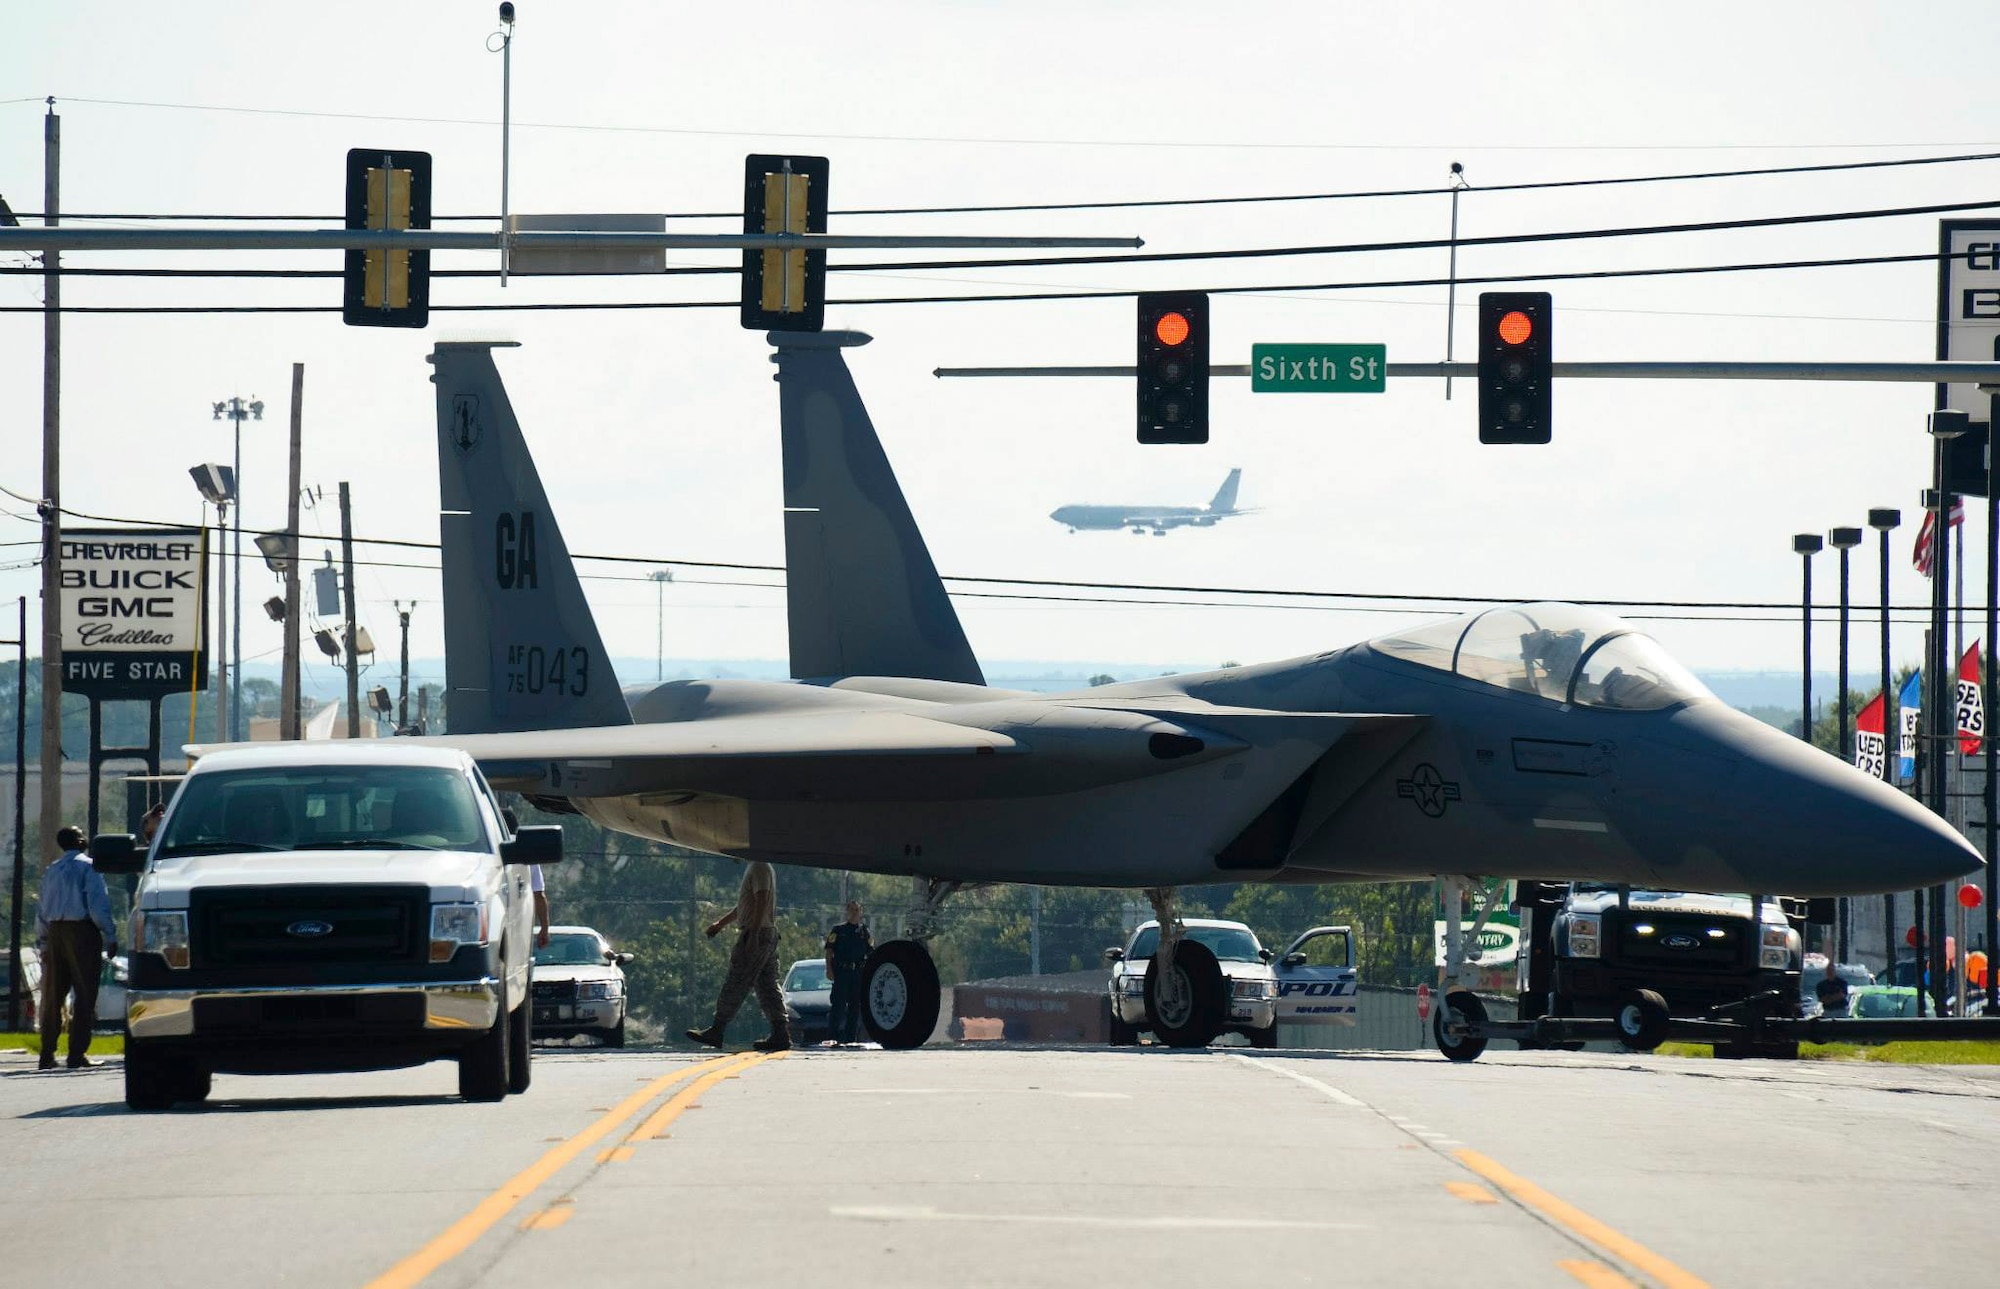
847	948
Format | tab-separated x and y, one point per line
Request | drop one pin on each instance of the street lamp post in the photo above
1884	521
1945	425
237	411
1844	540
660	578
1806	545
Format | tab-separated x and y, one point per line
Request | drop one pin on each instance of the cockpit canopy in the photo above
1559	651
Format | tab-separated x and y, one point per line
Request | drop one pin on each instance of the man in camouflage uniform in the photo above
753	963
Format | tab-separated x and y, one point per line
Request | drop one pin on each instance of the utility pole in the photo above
51	508
288	685
347	613
14	994
403	690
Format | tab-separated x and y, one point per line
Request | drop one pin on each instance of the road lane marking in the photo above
460	1235
1472	1192
1328	1089
686	1098
1595	1274
615	1155
1581	1224
1566	1217
1120	1221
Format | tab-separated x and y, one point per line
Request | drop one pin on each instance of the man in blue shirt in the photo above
73	930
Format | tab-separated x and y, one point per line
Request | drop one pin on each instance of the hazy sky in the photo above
657	429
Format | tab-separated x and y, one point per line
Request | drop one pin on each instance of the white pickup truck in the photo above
329	907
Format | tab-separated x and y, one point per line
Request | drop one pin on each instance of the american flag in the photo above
1925	555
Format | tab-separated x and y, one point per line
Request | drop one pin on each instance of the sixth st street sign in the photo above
1319	369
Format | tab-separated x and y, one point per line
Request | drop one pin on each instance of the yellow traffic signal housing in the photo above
385	191
784	290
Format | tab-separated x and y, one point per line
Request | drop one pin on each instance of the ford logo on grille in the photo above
1682	942
309	929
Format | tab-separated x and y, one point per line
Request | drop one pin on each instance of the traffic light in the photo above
1173	367
784	290
387	288
1514	366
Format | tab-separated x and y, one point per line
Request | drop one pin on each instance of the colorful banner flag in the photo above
1909	707
1971	712
1871	743
1925	554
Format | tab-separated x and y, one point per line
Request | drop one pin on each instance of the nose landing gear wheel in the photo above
899	994
1187	1005
1453	1009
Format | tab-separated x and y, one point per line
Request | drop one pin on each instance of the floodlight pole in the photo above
1882	520
506	128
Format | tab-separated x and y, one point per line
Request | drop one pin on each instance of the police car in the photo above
1307	984
579	986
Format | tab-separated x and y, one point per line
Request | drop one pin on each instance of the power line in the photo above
1167	202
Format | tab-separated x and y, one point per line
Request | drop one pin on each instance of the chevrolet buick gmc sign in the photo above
132	611
1968	306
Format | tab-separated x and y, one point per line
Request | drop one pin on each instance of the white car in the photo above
1260	994
579	986
324	907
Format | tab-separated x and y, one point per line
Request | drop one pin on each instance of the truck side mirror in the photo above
534	844
117	852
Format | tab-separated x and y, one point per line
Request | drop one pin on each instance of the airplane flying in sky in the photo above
1527	740
1156	518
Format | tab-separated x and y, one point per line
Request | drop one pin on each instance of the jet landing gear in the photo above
1186	996
899	985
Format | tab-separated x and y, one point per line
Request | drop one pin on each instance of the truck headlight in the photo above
1583	935
164	933
1779	948
1254	989
599	990
453	925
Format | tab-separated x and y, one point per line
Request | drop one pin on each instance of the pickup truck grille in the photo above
281	926
1682	941
554	990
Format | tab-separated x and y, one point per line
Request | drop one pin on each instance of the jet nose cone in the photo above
1810	824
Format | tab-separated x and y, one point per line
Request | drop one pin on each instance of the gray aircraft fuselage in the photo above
1460	777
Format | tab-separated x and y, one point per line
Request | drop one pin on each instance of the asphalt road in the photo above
986	1165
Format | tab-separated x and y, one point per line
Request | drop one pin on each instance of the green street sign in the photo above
1319	369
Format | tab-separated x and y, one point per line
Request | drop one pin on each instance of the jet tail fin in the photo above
521	648
863	597
1225	496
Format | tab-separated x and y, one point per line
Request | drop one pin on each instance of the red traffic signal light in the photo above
1173	367
1515	366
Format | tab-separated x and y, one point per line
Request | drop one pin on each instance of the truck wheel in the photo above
482	1067
615	1036
899	994
149	1078
195	1084
1191	1014
1642	1019
520	1044
1463	1005
1123	1035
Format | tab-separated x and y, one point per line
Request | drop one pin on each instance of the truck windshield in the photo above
393	807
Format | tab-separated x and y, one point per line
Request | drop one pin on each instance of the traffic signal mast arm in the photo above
60	238
1915	372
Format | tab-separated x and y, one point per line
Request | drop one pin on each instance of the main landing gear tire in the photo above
899	994
482	1067
520	1047
1462	1005
1189	1013
1642	1019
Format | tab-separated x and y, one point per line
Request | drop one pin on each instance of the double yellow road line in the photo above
462	1234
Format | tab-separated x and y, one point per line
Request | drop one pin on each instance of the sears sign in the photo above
132	611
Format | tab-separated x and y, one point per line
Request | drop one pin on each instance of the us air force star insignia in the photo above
1429	789
464	423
